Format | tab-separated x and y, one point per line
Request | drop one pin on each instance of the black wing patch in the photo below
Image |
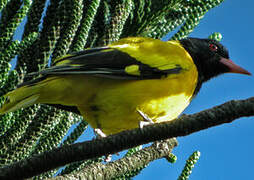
105	62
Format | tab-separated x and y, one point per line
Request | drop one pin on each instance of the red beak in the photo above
234	68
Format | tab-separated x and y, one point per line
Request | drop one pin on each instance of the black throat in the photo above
207	62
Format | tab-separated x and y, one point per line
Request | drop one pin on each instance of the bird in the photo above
133	80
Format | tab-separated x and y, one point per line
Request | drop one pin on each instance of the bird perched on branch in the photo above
130	81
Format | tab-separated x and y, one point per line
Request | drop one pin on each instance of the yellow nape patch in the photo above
155	53
132	69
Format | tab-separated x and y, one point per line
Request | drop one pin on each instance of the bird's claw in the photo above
99	133
147	120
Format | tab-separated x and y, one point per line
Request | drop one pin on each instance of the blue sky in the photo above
226	150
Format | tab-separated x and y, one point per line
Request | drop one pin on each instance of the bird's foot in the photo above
99	133
146	120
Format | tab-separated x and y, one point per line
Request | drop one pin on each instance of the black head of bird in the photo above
211	58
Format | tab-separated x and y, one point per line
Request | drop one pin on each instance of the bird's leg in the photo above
146	120
100	134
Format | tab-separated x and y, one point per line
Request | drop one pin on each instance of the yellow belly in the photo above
112	105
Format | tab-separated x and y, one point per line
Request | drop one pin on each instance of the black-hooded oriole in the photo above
109	86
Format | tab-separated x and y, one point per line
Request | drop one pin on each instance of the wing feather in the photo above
105	62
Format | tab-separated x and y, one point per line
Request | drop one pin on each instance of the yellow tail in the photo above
46	90
20	98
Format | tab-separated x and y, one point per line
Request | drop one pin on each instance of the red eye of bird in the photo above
213	47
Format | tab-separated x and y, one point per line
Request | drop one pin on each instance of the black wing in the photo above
105	62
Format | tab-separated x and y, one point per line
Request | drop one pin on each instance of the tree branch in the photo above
125	165
183	126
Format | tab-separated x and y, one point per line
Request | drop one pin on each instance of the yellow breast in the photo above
180	92
113	107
